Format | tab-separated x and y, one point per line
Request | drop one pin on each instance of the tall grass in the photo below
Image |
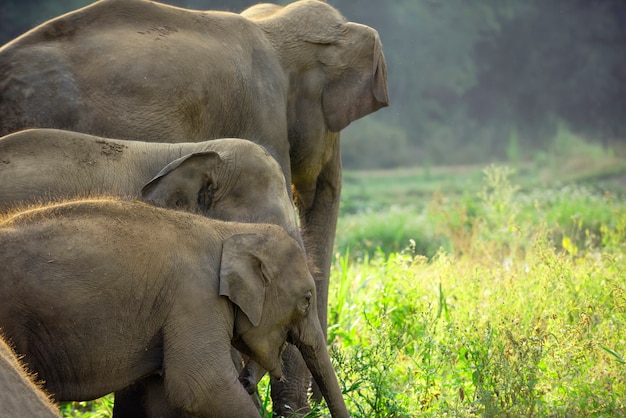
522	316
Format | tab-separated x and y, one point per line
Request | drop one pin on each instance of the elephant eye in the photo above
180	201
205	198
305	303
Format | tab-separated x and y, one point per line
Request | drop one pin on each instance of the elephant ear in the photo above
243	274
356	93
198	166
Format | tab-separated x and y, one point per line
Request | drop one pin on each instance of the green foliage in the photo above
498	211
513	152
392	230
372	190
512	323
100	408
459	337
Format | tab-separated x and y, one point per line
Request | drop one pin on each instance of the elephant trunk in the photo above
318	361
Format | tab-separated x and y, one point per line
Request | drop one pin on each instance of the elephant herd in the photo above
169	192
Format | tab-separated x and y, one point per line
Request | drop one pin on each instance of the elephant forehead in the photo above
258	168
255	157
294	271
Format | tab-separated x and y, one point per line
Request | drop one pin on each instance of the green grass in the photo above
489	333
475	292
521	314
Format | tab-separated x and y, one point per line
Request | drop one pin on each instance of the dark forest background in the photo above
470	81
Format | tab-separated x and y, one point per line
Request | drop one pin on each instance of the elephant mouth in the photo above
277	372
282	349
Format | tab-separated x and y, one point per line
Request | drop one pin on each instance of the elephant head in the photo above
276	296
222	185
337	68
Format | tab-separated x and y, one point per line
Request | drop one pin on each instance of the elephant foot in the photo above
290	396
288	403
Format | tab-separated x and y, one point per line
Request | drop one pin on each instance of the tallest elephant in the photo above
289	78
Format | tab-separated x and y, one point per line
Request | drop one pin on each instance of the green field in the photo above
481	292
478	291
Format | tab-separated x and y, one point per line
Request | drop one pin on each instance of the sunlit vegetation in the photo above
518	313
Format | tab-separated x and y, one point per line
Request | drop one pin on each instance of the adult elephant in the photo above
97	294
290	78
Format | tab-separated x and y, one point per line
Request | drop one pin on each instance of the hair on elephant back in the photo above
288	77
19	395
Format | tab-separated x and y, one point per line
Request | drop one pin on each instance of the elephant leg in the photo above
143	399
128	402
318	207
147	398
290	396
319	224
199	376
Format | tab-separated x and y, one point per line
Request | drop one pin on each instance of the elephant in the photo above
287	77
229	179
99	293
19	395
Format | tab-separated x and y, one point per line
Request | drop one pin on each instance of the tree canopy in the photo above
464	76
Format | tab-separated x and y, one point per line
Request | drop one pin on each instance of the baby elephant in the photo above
97	294
230	179
19	397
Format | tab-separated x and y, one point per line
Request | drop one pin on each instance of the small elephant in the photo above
229	179
19	396
97	294
288	77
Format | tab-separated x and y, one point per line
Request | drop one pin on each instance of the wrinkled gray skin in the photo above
229	179
19	396
97	294
290	78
